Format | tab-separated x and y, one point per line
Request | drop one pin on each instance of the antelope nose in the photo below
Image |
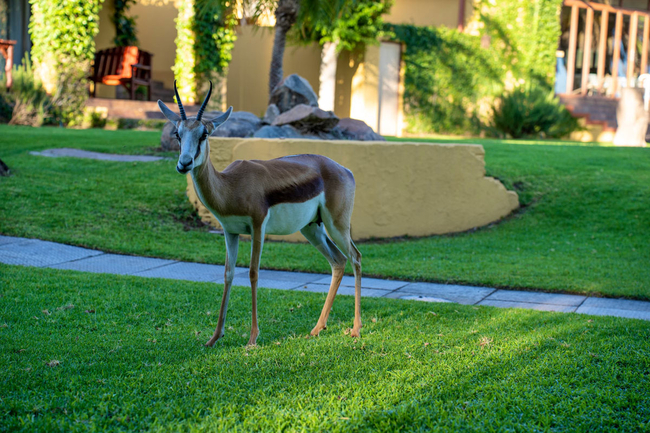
185	160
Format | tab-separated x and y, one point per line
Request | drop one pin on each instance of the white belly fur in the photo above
287	218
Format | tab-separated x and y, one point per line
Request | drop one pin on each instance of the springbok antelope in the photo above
309	193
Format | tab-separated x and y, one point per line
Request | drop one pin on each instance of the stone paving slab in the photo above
536	297
4	240
371	283
114	264
78	153
618	304
461	294
300	277
424	299
186	271
528	305
630	314
266	283
33	252
343	290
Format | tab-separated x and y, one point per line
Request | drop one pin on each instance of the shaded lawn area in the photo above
584	227
86	352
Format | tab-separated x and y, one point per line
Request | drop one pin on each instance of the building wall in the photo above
428	12
248	74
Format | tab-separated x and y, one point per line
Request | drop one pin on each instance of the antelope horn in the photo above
205	103
180	104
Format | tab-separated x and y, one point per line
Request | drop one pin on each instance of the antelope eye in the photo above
204	136
177	135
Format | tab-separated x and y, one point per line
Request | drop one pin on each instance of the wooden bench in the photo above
126	66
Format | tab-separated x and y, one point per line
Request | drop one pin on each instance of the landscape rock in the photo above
272	111
291	91
4	170
168	142
353	129
239	124
632	119
307	119
285	131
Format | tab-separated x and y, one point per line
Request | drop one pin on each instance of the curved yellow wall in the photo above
414	189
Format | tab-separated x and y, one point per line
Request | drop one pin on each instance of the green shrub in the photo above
448	77
63	45
522	34
6	106
27	95
532	112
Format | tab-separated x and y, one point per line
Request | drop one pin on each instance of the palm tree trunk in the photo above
285	17
328	64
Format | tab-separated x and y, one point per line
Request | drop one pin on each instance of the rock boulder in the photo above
353	129
4	170
291	91
168	142
307	119
239	124
272	112
284	131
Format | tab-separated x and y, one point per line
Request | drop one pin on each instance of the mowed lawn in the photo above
86	352
584	226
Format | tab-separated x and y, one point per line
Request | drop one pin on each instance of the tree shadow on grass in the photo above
136	363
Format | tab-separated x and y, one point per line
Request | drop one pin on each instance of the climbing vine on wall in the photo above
62	33
204	42
125	31
447	78
523	33
452	77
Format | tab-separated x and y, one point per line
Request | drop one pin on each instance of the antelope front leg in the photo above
256	254
232	246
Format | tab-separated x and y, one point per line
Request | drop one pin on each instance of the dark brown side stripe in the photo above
297	193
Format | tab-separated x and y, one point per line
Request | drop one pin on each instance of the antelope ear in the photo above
169	114
221	119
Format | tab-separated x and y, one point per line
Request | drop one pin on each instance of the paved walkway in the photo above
86	154
33	252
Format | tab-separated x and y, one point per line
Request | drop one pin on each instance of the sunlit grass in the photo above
86	352
583	227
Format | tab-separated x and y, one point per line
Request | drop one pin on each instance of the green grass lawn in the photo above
584	226
87	352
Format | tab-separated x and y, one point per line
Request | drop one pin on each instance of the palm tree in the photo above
286	14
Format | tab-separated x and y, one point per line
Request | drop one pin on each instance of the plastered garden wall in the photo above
414	189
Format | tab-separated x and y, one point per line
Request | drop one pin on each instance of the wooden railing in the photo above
605	11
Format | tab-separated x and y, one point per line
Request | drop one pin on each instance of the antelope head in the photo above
192	133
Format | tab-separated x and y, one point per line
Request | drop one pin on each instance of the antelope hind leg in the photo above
315	234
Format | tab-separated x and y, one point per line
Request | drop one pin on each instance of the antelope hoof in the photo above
314	332
253	340
214	339
355	333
